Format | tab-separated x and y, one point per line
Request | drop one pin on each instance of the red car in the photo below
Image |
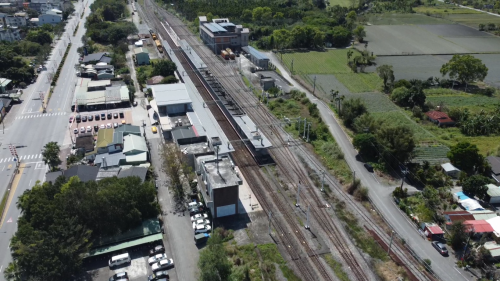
71	119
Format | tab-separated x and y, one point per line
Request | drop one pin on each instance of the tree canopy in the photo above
164	68
50	154
61	220
213	262
476	186
351	109
465	68
386	73
466	157
397	143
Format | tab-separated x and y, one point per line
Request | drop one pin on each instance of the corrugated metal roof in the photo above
215	28
483	215
448	167
170	94
134	143
493	247
253	52
138	158
493	190
125	245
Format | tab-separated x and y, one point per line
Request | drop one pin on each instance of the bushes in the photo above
56	75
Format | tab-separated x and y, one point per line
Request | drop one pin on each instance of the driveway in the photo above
380	194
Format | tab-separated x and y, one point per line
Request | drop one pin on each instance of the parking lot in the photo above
137	270
110	118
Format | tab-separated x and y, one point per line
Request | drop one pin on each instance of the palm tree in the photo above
334	93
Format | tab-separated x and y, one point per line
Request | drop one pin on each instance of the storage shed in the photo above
432	231
141	56
450	170
256	57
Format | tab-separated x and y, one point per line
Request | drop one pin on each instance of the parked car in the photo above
75	131
195	204
71	119
194	211
109	115
158	275
200	222
440	247
163	264
156	258
368	167
115	125
82	130
91	117
109	125
157	250
84	118
103	116
97	117
102	126
122	115
199	217
154	130
202	229
96	128
115	115
119	276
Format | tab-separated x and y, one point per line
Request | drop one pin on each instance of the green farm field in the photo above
399	19
333	62
398	117
342	3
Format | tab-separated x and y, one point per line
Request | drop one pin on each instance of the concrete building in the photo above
4	83
135	149
219	185
221	34
141	56
494	162
9	34
50	18
257	58
11	3
107	143
96	58
16	20
43	6
97	72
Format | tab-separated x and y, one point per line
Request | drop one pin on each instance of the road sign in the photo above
15	159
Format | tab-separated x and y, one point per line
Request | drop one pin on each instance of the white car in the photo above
195	204
200	222
89	129
82	130
156	258
115	125
75	131
199	217
202	229
102	126
109	125
163	264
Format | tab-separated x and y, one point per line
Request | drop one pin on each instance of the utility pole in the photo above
292	66
308	129
269	231
314	85
305	125
307	217
390	244
353	176
323	181
298	195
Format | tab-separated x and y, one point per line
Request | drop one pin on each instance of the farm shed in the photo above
493	194
440	118
450	170
495	223
470	204
432	231
141	56
478	227
256	57
494	162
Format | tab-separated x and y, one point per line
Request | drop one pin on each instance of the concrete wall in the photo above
225	196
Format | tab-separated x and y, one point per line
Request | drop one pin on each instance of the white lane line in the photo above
1	160
3	168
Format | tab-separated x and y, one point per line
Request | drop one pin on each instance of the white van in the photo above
119	259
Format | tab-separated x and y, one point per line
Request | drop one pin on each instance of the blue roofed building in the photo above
256	57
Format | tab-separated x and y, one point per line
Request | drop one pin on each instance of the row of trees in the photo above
61	220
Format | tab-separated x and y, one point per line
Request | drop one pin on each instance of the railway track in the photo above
224	70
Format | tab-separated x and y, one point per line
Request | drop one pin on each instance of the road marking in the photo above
3	168
1	268
9	220
13	188
1	160
10	166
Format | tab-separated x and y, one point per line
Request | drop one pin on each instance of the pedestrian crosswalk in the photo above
39	115
22	158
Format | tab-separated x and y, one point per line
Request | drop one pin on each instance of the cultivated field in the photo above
343	3
332	62
400	19
428	39
375	102
463	100
423	67
398	117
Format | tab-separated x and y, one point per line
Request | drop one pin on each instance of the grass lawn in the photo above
442	8
332	62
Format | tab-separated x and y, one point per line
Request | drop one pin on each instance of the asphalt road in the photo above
381	194
30	129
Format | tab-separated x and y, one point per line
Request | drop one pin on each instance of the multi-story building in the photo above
221	34
43	6
53	16
18	19
9	34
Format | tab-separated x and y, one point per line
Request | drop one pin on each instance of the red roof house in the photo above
432	231
440	118
453	216
478	226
